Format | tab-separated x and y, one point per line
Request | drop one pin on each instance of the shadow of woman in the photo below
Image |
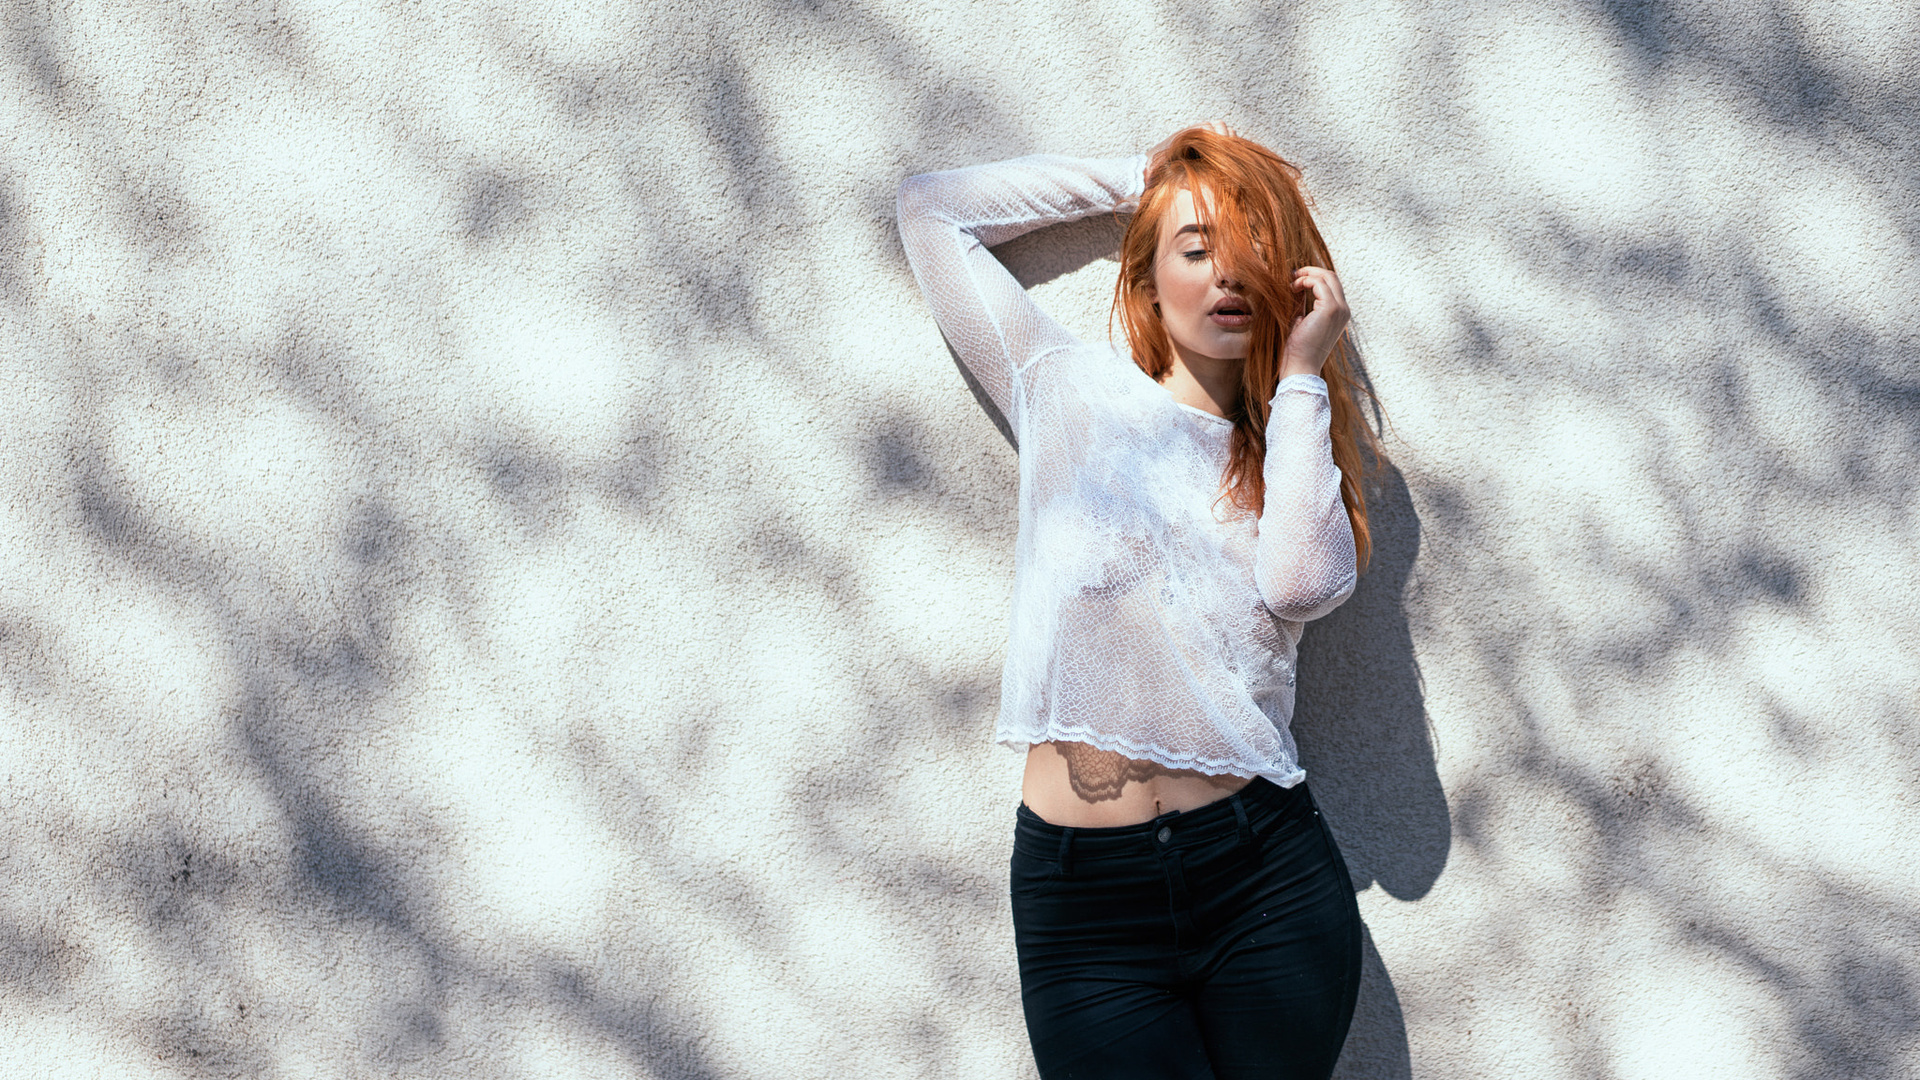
1360	723
1360	719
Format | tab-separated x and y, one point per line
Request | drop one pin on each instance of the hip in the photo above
1262	854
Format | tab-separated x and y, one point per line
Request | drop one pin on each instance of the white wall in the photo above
502	579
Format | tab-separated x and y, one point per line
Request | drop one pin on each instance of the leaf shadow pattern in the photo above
278	863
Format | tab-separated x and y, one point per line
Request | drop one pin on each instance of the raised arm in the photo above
949	219
1305	562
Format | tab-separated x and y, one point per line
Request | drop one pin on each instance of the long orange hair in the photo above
1259	230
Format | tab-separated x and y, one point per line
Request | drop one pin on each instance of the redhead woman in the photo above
1186	507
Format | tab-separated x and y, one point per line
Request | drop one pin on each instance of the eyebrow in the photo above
1194	228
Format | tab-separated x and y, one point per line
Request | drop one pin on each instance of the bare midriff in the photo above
1084	787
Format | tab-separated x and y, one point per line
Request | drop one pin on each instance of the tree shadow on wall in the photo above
1360	722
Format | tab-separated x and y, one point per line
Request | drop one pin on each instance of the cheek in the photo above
1181	285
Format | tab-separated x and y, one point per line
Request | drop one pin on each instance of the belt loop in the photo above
1240	815
1066	852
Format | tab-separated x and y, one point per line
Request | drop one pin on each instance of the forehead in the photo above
1182	214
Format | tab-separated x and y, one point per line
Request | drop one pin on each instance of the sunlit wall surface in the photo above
502	578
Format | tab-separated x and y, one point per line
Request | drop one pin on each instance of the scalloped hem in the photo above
1159	756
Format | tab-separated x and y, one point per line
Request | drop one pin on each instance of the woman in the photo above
1180	909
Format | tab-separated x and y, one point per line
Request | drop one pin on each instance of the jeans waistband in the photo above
1261	799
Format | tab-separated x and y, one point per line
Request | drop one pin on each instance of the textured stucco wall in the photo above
501	578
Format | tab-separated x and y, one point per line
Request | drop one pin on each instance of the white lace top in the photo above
1150	616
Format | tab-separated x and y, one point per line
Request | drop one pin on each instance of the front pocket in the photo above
1031	875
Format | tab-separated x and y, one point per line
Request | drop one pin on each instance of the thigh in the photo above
1280	992
1095	1029
1099	973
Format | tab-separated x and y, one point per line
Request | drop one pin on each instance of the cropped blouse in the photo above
1150	615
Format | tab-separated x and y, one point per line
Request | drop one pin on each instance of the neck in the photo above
1204	382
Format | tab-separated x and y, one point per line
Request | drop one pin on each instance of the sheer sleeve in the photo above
949	219
1304	564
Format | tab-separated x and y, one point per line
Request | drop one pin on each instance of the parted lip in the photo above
1231	300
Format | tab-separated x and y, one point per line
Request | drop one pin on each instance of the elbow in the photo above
916	207
1306	600
916	197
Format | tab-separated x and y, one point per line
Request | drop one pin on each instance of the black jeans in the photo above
1221	943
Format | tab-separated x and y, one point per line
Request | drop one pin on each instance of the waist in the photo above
1261	800
1074	783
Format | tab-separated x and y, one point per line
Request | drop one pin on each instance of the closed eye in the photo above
1195	255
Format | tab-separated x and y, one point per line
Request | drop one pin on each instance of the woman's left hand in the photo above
1319	327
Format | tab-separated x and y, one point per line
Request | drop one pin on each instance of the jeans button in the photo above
1165	834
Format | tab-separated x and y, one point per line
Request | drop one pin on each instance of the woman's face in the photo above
1204	312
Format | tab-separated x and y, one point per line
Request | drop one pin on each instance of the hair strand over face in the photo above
1259	229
